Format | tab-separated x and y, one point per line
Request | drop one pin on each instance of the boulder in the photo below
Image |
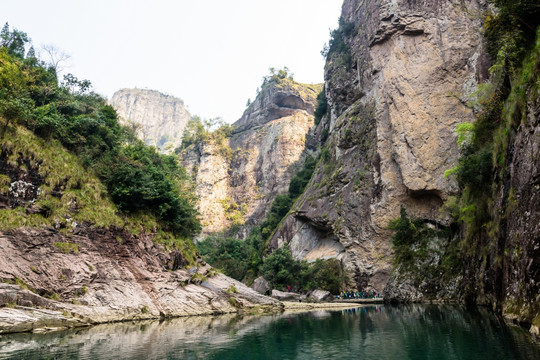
260	285
281	295
320	295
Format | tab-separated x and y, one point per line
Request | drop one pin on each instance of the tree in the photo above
280	269
14	41
75	85
56	57
15	103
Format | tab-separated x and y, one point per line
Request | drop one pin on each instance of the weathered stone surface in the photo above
268	147
395	96
261	286
282	295
108	281
157	119
320	295
504	270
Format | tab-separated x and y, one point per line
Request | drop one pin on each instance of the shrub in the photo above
322	106
229	255
280	269
323	274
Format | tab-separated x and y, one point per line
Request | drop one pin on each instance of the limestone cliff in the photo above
267	147
158	119
398	76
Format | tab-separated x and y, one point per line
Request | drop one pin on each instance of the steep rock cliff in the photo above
158	119
267	147
398	76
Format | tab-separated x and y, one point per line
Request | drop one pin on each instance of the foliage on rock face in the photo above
486	199
138	179
322	106
208	131
427	255
510	35
411	238
276	75
283	203
337	46
511	31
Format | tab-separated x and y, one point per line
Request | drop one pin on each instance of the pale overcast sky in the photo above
212	53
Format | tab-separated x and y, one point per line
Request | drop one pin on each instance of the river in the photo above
365	332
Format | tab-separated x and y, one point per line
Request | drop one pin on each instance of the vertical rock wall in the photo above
158	119
268	146
396	91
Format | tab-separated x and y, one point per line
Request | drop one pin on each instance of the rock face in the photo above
396	89
267	148
519	276
157	119
108	275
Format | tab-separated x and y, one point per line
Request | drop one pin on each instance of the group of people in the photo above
358	295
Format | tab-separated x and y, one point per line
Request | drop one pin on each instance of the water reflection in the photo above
373	332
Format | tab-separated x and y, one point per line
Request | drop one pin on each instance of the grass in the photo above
234	302
84	199
67	247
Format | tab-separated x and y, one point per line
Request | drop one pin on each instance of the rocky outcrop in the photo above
268	146
398	76
519	244
157	119
104	276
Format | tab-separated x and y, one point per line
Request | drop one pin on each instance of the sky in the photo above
212	54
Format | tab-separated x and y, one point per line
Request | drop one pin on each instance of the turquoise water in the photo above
367	332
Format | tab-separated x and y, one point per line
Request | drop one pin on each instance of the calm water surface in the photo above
367	332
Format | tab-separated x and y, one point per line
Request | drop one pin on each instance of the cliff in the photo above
237	180
398	76
157	119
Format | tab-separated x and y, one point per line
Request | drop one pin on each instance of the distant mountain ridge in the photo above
158	119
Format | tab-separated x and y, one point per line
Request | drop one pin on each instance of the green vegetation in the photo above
281	270
234	213
67	247
277	75
322	106
510	35
41	117
283	203
429	255
209	131
336	46
228	254
412	237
